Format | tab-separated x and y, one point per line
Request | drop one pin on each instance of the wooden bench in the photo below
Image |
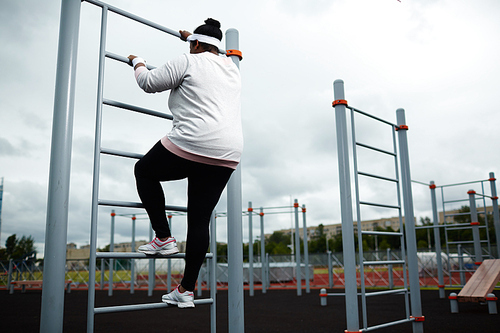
34	283
479	286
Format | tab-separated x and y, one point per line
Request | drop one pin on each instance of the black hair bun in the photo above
212	22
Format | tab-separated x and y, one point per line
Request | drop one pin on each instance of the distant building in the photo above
83	253
333	229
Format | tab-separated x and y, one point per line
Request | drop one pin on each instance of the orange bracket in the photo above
113	214
494	198
491	298
418	318
474	223
250	209
492	179
296	204
402	127
235	53
433	186
303	210
261	214
471	192
339	102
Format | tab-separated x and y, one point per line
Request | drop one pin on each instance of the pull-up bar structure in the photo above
410	265
474	226
264	263
52	313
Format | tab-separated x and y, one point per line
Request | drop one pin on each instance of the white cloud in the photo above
437	59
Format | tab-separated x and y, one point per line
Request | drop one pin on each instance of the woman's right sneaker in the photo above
182	300
156	246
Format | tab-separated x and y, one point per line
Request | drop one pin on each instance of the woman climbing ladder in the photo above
204	145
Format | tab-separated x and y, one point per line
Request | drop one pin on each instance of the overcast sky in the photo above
437	59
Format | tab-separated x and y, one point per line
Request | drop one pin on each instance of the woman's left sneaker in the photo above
182	300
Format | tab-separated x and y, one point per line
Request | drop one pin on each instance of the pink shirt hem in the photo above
195	157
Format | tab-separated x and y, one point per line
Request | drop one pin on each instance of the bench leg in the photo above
453	302
491	299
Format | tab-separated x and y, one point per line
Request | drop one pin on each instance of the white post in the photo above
56	232
236	314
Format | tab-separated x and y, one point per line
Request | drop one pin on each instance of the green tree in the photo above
18	248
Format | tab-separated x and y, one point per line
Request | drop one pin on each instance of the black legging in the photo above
205	186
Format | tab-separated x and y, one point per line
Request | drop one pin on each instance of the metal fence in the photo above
326	271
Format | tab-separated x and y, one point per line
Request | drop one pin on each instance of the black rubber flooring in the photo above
275	311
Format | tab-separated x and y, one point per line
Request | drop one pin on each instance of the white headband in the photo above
204	39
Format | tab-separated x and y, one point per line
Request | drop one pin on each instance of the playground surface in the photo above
275	311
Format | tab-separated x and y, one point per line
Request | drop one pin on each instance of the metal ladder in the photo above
473	226
398	208
96	201
411	264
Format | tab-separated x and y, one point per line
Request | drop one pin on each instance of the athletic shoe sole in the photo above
164	252
182	305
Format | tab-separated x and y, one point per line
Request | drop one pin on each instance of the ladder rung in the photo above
383	262
148	306
377	177
136	109
137	205
382	233
120	153
385	292
378	205
138	255
376	149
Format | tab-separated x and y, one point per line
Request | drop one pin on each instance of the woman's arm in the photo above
159	79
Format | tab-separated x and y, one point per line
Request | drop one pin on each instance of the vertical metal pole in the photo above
268	280
351	297
390	271
111	249
496	215
213	230
199	281
461	264
411	243
95	180
169	261
1	199
306	248
132	261
52	312
236	313
213	274
250	249
330	269
298	271
262	251
437	240
9	278
475	227
103	269
151	268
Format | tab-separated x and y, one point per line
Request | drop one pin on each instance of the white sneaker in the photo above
156	246
183	300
